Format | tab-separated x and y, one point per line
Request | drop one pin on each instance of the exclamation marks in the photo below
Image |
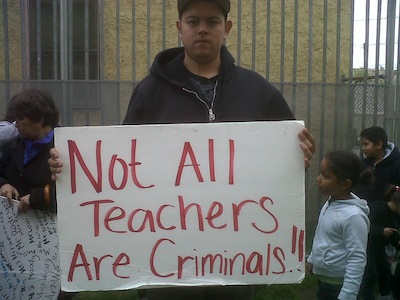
298	242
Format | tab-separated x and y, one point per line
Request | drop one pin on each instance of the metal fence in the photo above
91	53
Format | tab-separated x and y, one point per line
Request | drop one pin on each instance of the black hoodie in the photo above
386	172
167	95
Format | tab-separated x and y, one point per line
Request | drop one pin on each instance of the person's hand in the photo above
309	268
307	145
24	204
54	163
10	192
387	231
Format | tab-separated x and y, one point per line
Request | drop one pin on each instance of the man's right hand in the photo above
55	164
9	192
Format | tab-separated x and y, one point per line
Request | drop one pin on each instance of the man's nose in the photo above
203	27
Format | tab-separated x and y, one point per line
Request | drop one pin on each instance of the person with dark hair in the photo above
383	245
338	255
383	157
24	172
199	82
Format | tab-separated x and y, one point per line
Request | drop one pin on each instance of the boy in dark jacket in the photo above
383	244
383	158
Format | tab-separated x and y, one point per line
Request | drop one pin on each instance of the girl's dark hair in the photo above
347	165
375	134
35	105
392	193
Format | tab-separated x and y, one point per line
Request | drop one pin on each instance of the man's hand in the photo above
307	144
24	204
54	164
10	192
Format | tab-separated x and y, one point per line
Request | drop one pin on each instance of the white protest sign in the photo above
29	256
182	204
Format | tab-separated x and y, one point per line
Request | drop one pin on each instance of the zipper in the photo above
211	114
329	204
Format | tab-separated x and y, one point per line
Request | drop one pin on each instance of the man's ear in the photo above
228	27
379	145
178	26
346	184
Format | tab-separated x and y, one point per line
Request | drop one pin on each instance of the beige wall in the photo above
171	39
14	41
246	41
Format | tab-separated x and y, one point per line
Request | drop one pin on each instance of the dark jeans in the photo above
201	293
327	291
376	270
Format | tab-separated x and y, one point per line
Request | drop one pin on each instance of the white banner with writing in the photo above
182	204
29	256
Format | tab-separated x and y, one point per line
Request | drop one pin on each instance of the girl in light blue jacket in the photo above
338	255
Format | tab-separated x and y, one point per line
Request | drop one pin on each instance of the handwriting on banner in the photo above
29	257
129	169
147	220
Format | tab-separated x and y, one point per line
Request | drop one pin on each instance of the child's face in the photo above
370	149
328	183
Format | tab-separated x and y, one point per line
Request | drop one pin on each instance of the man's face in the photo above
369	149
31	130
203	29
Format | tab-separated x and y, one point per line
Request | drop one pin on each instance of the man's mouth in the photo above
202	41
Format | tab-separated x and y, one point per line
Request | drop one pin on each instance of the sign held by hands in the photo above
182	204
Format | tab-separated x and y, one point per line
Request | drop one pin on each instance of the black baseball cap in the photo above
224	4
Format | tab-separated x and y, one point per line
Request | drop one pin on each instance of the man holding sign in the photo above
199	83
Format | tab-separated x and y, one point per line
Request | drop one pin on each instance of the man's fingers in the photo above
307	145
308	140
54	164
53	153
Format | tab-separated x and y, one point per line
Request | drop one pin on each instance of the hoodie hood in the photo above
391	152
166	62
343	204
